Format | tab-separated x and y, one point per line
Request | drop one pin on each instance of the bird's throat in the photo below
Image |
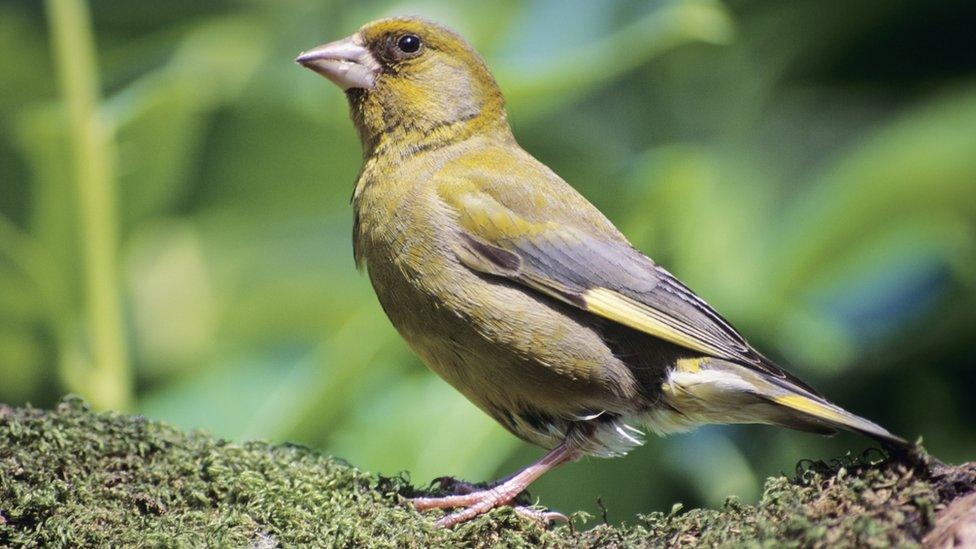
388	127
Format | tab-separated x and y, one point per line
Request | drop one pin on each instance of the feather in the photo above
575	255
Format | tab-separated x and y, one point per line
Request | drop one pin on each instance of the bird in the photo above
516	290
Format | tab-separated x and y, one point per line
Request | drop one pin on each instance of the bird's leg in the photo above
482	501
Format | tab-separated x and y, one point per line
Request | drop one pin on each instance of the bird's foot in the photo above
481	500
478	502
474	503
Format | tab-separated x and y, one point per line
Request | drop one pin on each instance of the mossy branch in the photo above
70	477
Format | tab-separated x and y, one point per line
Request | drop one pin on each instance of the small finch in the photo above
516	290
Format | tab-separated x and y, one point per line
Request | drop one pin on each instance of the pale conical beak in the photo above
348	63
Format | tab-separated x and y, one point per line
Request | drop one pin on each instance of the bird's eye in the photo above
409	43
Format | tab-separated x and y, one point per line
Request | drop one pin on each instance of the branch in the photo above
70	477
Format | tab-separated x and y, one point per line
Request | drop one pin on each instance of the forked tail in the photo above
717	391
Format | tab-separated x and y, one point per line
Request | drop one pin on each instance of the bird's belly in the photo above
531	363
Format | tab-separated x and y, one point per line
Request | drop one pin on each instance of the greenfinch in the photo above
515	289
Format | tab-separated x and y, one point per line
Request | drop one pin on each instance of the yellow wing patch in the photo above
812	407
622	309
690	365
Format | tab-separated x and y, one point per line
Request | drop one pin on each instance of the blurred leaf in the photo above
25	68
20	266
692	213
715	466
161	117
920	165
328	381
540	80
282	281
220	397
311	167
22	366
880	284
53	219
171	295
423	426
158	147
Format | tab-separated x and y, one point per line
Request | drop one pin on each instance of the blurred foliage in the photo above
808	167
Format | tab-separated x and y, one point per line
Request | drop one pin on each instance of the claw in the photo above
543	518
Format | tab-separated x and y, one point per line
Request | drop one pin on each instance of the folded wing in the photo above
568	251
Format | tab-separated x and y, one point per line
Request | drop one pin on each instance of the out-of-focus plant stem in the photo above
108	384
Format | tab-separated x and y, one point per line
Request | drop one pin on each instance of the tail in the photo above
717	391
815	412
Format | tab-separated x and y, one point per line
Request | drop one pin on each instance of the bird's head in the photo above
410	75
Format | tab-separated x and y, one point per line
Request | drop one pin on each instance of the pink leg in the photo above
482	501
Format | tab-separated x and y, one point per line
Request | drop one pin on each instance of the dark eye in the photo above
409	43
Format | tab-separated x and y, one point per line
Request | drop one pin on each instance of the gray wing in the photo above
604	276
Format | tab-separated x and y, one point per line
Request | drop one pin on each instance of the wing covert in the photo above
566	249
607	277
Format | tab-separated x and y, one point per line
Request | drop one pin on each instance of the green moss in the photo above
76	478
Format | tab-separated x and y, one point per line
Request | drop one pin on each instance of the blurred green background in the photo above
175	221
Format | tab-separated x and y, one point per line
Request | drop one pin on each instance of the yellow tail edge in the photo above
834	416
